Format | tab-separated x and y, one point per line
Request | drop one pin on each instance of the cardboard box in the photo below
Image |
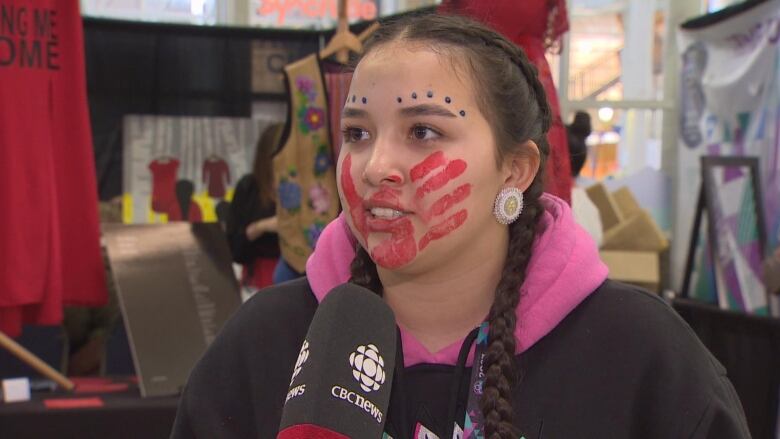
638	233
626	202
639	268
634	248
609	211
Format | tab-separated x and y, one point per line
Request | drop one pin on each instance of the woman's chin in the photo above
394	255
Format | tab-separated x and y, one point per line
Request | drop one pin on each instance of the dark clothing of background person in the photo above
244	210
577	132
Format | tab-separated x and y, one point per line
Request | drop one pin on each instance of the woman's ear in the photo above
521	168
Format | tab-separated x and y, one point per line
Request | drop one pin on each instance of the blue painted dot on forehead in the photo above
414	95
365	100
463	113
448	100
399	99
430	94
354	98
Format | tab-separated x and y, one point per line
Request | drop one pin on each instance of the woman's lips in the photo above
384	198
385	225
385	217
384	211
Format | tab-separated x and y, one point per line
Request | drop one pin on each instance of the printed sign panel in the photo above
176	289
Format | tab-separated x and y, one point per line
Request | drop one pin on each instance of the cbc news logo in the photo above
368	367
303	355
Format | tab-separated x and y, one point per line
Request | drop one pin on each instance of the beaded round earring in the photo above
509	205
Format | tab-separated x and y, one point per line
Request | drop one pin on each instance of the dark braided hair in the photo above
514	102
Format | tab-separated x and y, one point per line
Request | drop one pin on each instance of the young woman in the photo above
444	217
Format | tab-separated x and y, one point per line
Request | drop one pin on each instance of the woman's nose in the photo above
384	165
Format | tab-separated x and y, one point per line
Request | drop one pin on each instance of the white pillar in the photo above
637	79
679	11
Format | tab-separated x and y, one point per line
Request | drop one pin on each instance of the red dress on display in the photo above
50	238
164	173
216	175
533	25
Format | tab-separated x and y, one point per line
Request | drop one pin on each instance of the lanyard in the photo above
473	425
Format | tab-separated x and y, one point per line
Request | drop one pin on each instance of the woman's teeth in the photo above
382	212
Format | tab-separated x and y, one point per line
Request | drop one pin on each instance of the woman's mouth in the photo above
383	219
385	213
384	205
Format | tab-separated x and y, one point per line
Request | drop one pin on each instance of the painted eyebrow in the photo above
426	110
352	112
417	110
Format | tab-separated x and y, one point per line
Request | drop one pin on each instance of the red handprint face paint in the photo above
432	212
444	228
400	247
353	201
422	169
453	169
417	173
374	214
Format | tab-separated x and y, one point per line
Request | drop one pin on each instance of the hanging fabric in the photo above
49	246
337	79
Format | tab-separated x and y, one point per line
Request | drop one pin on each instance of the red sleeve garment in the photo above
557	22
49	246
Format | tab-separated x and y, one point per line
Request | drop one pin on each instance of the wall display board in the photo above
729	106
176	289
734	231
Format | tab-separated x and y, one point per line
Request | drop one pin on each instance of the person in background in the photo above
585	212
251	219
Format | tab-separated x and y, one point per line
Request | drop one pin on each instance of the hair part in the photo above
513	101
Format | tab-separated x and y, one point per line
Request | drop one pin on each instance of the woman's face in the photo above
417	170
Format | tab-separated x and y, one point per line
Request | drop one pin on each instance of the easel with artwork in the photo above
730	197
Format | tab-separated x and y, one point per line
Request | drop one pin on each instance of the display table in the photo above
99	408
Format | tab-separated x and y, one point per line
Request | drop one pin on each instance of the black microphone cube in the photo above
342	378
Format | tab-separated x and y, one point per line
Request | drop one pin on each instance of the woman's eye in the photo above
422	132
354	135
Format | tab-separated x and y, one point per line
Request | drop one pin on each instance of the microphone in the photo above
340	386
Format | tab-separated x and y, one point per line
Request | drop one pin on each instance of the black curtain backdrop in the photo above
181	70
175	70
749	348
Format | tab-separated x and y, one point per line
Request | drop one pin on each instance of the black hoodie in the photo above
620	365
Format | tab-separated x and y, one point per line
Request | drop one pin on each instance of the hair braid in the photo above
363	271
500	367
500	370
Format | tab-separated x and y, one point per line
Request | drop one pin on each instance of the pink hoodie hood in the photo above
564	269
